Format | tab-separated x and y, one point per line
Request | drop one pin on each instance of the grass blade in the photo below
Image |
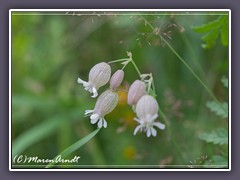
74	147
35	134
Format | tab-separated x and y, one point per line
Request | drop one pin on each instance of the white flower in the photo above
99	75
147	113
105	104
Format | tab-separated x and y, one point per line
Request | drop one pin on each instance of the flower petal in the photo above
88	112
94	118
148	132
137	129
104	123
153	117
100	123
138	120
89	89
154	132
159	125
95	93
80	81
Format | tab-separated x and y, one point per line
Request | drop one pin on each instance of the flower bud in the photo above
105	104
116	79
147	113
99	75
136	91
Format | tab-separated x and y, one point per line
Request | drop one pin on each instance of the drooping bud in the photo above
105	104
116	79
99	75
136	91
146	105
147	113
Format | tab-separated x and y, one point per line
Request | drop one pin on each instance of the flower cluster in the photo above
144	105
100	75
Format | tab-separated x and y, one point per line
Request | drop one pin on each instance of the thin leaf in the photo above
218	136
220	109
74	147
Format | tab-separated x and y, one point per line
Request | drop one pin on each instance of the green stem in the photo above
135	66
153	87
124	66
118	60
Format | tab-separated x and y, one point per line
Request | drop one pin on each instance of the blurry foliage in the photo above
212	30
49	52
224	80
219	136
220	109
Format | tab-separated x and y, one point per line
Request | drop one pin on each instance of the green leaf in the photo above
212	30
220	109
207	27
210	38
218	136
74	147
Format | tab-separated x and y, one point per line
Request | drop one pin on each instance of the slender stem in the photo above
125	64
153	86
135	66
190	69
118	60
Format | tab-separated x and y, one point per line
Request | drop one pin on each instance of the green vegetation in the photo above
187	55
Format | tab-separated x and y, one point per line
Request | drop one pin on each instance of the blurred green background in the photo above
49	52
